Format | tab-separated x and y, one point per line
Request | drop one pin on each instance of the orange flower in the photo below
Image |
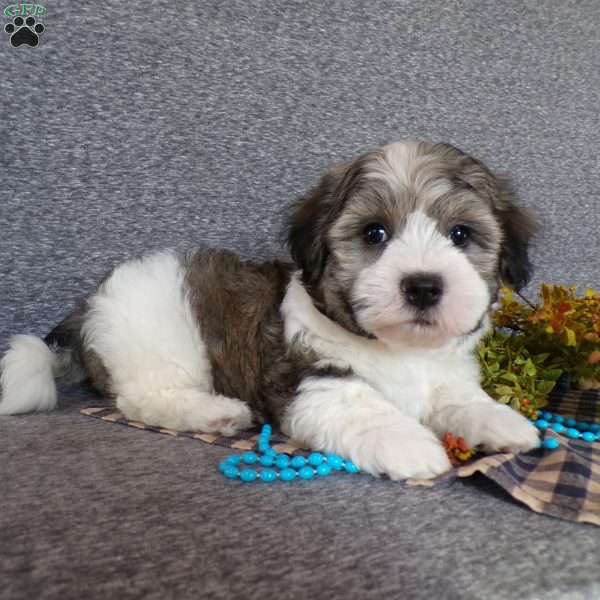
594	357
457	449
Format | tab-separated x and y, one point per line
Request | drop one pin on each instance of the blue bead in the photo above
351	467
268	475
287	475
315	459
231	472
558	427
266	461
588	436
323	470
249	458
547	416
542	424
573	433
266	430
270	452
298	462
558	419
282	461
224	465
595	427
263	448
583	425
234	460
263	439
248	475
571	423
550	444
306	473
336	462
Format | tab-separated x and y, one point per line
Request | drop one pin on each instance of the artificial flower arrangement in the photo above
535	347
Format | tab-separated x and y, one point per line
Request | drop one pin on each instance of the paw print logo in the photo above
24	31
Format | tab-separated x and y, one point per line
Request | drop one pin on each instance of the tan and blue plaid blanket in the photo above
563	483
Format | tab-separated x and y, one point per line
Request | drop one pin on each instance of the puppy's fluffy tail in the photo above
30	367
27	376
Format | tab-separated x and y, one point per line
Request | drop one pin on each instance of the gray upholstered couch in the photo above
140	125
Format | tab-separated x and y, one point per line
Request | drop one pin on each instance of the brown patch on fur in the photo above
237	304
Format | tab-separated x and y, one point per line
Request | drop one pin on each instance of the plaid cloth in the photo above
243	440
563	483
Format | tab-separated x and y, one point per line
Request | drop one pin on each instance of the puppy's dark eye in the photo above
460	235
375	234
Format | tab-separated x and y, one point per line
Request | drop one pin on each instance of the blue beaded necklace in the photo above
274	466
574	430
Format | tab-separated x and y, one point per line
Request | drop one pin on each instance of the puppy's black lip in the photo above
421	321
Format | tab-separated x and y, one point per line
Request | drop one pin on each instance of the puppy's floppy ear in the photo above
310	219
518	227
517	223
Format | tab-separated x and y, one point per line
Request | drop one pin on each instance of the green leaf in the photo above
504	399
545	387
514	403
540	358
552	374
509	377
503	390
529	369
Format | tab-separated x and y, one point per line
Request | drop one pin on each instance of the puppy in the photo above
363	347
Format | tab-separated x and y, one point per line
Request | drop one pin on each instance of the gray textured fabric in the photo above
142	125
98	510
173	124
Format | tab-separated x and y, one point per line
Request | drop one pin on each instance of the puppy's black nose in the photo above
422	290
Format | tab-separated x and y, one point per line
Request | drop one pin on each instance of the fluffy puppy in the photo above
364	346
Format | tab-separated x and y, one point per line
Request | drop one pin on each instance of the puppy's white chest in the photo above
405	381
408	380
407	377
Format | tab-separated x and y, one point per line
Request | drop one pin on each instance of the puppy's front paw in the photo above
400	452
497	428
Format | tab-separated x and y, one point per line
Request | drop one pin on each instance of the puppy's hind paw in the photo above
228	425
